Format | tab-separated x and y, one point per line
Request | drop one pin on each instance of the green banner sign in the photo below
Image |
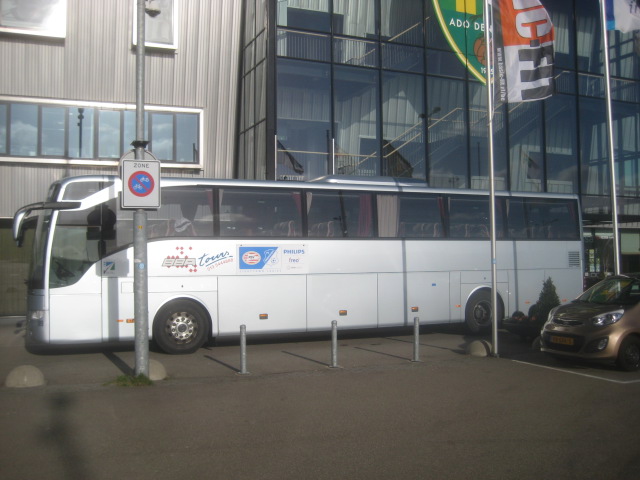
463	25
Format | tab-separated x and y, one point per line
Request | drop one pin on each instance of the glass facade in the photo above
376	87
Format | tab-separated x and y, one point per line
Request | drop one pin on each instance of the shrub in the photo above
547	300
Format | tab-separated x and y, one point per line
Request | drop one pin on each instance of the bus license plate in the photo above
561	340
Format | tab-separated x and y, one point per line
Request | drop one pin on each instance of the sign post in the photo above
140	191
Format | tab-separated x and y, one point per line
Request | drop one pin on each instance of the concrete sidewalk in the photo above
266	355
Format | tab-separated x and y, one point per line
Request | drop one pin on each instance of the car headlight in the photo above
607	318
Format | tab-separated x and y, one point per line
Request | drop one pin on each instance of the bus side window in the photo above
516	223
420	216
468	217
184	212
260	213
551	220
340	214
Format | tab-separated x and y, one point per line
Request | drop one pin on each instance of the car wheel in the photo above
181	327
629	354
478	312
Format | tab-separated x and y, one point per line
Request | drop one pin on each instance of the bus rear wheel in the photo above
181	327
478	312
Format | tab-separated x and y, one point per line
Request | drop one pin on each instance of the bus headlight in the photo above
607	318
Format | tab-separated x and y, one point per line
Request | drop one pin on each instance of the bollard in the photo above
416	339
334	344
243	350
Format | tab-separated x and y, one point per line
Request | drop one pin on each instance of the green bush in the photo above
547	300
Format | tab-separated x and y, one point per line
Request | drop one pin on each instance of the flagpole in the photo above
488	27
612	164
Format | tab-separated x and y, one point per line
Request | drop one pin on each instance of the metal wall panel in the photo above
96	62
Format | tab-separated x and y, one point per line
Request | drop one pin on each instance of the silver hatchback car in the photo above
602	324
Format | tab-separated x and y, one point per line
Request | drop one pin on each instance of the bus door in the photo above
117	297
111	230
74	284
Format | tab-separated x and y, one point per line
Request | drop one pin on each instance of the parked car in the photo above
602	324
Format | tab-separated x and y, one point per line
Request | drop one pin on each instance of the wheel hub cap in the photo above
181	326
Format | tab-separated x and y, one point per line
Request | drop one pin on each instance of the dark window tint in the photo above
340	214
468	217
516	222
552	220
420	216
260	213
184	212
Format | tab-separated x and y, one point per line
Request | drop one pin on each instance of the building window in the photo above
526	153
55	131
447	133
186	138
24	130
357	143
303	124
403	124
47	18
162	134
355	18
304	15
561	144
52	131
401	21
161	29
109	132
3	129
80	132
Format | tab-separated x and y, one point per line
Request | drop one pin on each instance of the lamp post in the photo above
140	277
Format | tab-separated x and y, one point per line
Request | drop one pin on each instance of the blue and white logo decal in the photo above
272	259
258	258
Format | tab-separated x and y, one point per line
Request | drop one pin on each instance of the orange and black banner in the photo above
523	36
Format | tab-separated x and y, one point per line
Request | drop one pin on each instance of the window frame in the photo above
56	29
97	107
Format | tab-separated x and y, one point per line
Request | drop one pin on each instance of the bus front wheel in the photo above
478	312
181	326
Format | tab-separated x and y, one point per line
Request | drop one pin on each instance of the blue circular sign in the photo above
141	184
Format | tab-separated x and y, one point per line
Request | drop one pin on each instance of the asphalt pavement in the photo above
378	416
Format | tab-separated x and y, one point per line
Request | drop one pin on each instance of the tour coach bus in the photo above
288	257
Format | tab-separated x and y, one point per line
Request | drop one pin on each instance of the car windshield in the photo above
614	290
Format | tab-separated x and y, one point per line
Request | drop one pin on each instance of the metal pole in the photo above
140	289
416	339
243	350
488	27
334	344
333	156
612	163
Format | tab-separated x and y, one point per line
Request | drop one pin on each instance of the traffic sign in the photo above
140	181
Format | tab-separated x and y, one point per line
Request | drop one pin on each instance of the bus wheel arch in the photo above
477	312
181	326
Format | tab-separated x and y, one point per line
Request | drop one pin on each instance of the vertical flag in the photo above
523	36
623	15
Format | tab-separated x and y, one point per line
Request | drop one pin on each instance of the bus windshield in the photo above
39	226
81	238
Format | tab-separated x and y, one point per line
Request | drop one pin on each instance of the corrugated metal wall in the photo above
96	62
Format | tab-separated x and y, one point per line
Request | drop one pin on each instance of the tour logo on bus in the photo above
185	258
